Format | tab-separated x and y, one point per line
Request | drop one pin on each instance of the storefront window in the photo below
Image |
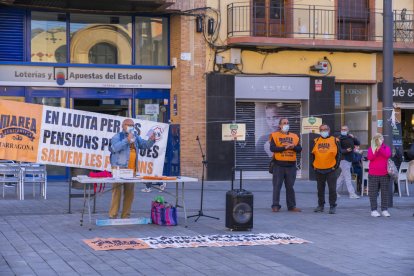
48	37
151	41
100	39
355	110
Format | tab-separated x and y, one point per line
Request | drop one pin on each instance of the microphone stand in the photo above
200	212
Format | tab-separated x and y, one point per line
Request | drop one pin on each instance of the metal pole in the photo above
387	77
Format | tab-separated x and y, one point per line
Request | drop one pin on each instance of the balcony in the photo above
95	5
315	27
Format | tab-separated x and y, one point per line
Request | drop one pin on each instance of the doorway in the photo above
407	127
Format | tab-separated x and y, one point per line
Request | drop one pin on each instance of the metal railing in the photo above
314	22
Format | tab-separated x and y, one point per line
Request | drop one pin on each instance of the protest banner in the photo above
72	138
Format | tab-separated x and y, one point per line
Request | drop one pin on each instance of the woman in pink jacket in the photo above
378	155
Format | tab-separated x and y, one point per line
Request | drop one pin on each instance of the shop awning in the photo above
124	6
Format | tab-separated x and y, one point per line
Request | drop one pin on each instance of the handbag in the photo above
163	214
392	169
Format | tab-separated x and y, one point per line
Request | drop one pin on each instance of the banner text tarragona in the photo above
73	138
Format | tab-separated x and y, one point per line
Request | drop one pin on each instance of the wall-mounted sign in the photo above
233	132
16	75
400	92
151	109
311	125
318	85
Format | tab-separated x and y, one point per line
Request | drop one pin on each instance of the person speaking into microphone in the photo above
124	155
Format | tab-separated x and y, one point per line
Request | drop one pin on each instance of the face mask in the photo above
344	133
285	128
324	134
130	129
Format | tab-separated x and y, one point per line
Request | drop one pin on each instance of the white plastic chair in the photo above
35	173
10	173
402	176
365	166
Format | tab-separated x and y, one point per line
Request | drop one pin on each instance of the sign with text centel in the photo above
16	75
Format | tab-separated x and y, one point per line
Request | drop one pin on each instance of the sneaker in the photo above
318	209
295	209
338	195
332	210
8	185
375	214
385	213
163	186
354	196
146	190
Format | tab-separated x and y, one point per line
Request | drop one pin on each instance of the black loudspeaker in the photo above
239	208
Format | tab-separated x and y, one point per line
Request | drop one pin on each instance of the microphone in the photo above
197	138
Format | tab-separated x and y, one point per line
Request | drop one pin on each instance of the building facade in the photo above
120	59
317	58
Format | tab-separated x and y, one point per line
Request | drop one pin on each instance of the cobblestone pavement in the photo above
39	237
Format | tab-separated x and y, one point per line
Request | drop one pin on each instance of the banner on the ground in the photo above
72	138
192	241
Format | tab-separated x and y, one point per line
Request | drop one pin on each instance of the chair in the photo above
365	166
402	176
10	173
35	173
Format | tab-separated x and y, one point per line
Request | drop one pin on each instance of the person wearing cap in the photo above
124	155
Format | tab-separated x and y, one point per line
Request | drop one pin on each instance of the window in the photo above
103	53
151	41
269	17
354	110
100	39
48	37
353	19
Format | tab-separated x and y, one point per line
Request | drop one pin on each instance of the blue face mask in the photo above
324	134
344	133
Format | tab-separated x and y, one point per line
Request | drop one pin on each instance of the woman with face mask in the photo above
378	155
326	158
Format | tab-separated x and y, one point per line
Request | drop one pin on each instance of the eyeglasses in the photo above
322	129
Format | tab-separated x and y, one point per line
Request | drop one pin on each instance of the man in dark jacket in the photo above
347	143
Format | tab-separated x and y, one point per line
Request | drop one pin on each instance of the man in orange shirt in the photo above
327	156
284	145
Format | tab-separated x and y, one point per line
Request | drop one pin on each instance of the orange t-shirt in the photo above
281	140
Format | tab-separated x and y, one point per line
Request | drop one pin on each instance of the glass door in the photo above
51	96
153	105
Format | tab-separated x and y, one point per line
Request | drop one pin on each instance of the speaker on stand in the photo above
239	207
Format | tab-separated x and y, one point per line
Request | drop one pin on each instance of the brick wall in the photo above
188	83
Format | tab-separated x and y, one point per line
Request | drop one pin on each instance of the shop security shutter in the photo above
250	155
11	34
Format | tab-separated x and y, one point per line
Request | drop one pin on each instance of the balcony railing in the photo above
314	22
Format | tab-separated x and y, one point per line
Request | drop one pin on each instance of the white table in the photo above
89	181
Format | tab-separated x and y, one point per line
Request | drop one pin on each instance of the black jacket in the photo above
347	142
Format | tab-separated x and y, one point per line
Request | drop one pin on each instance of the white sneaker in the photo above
354	196
385	213
163	186
375	214
338	195
146	190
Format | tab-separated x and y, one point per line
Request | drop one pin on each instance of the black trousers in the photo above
288	175
321	180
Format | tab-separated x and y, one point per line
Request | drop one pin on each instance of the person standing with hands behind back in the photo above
327	154
285	146
124	155
378	155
